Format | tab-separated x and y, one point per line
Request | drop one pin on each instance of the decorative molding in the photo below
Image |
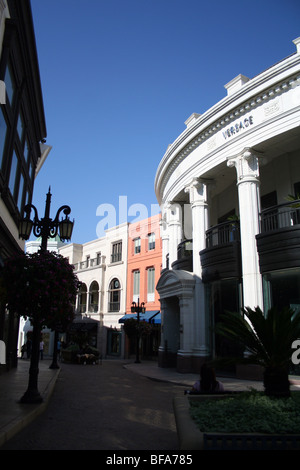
263	97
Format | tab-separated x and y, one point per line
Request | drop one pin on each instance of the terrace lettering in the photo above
238	127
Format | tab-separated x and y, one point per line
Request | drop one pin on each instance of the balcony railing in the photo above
281	216
222	234
184	249
113	306
89	263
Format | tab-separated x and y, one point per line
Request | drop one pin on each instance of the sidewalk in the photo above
15	416
13	384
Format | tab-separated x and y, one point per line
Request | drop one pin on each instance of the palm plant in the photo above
267	341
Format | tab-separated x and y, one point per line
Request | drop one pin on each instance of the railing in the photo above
93	308
113	306
280	216
184	249
115	257
90	263
222	234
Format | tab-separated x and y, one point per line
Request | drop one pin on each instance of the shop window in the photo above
221	296
282	289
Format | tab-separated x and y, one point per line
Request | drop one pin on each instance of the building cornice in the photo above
273	82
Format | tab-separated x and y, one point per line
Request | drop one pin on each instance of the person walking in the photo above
42	349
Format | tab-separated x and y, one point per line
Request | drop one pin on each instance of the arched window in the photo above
114	294
82	298
94	297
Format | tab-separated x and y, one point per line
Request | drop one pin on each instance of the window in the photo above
114	295
136	285
20	195
137	246
19	129
150	284
20	126
94	297
116	254
10	83
151	241
3	128
82	298
13	174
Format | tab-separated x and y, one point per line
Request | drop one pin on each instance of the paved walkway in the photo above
15	416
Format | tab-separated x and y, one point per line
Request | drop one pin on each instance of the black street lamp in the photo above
137	308
46	227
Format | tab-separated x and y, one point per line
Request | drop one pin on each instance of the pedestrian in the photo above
208	382
42	349
58	349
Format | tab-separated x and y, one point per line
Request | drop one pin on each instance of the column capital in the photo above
198	190
246	164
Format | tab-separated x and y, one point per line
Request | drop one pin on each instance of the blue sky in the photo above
120	77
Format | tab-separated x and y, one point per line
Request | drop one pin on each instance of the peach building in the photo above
144	263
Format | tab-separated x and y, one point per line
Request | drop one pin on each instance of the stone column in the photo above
198	194
174	218
165	239
247	168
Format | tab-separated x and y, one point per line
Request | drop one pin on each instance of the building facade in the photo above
144	264
230	226
22	138
101	266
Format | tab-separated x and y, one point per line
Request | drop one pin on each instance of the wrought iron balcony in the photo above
184	256
281	216
222	234
221	259
278	243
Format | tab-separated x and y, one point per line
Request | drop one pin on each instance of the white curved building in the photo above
231	237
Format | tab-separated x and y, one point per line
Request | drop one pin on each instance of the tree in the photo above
267	341
41	287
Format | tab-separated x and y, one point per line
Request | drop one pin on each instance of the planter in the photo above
191	438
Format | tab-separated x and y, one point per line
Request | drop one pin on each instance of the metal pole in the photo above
45	222
138	333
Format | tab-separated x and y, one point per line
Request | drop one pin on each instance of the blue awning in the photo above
151	316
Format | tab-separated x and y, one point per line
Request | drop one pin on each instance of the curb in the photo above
189	436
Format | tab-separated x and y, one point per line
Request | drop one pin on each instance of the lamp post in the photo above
44	228
137	308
